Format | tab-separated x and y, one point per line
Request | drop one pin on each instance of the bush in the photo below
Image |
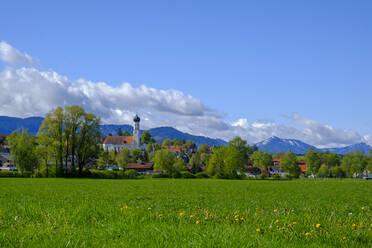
186	174
262	176
276	176
219	176
131	174
202	174
10	174
161	175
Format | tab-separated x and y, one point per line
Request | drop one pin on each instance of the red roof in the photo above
118	140
139	166
276	160
173	148
303	167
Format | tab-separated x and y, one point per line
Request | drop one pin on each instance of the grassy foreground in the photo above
185	213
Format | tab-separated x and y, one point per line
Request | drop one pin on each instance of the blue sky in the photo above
262	61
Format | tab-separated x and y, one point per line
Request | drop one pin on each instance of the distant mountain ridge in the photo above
272	145
10	124
275	145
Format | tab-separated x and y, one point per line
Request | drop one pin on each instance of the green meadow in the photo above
185	213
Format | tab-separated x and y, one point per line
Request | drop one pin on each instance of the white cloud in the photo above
31	92
11	55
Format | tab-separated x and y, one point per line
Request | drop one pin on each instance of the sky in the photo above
255	69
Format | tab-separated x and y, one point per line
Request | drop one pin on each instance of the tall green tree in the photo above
165	160
289	164
354	163
216	164
313	160
23	150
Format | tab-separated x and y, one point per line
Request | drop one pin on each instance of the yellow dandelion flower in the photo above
275	210
197	222
258	230
160	215
294	222
344	238
277	221
210	214
318	225
242	219
362	208
307	234
353	225
191	216
182	213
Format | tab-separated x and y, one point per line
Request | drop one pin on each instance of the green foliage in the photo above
179	165
10	174
187	174
126	133
354	163
131	174
261	159
164	160
202	174
106	158
289	164
23	151
337	172
323	172
146	138
124	157
216	163
313	161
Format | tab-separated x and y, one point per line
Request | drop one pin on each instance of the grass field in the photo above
185	213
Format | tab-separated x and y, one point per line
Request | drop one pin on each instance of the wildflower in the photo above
275	210
191	216
242	219
362	208
197	222
210	214
318	225
277	221
344	238
160	215
353	225
258	230
182	213
294	222
307	234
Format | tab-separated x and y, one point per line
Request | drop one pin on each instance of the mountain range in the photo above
10	124
275	145
271	145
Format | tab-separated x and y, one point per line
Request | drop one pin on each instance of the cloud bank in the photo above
26	91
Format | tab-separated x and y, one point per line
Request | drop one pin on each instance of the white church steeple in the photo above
136	132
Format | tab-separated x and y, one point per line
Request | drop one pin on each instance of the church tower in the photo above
136	132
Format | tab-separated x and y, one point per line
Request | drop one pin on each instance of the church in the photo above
116	143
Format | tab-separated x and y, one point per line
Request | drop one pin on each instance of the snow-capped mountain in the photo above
275	145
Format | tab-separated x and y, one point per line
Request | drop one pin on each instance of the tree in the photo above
369	163
126	133
146	138
354	163
123	158
120	133
323	171
53	127
167	142
203	148
74	133
261	159
331	159
22	150
164	160
44	151
234	161
240	145
216	163
106	158
313	160
136	155
179	165
289	164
